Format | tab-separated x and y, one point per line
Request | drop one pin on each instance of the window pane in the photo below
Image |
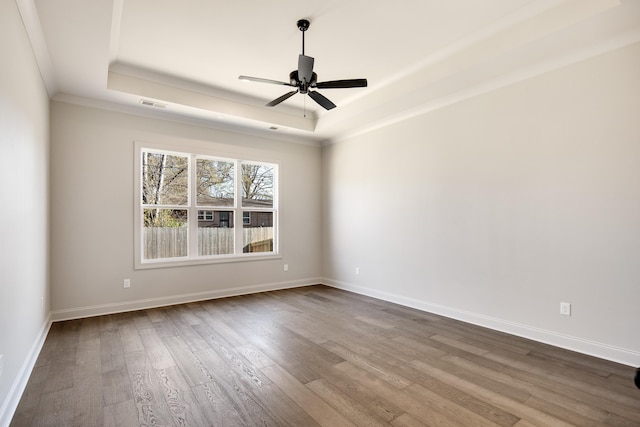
216	234
257	185
165	179
258	233
215	182
165	233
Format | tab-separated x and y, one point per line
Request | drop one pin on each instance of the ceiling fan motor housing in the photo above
302	85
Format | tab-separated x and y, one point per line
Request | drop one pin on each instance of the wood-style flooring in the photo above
313	356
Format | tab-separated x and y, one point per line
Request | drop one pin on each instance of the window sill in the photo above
204	261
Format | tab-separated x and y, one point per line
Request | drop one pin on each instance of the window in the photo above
187	204
205	215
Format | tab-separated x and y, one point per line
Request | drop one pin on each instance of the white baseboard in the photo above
142	304
10	404
592	348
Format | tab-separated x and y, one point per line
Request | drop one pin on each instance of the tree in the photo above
215	182
257	185
164	183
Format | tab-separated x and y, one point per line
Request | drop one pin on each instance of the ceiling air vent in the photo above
148	103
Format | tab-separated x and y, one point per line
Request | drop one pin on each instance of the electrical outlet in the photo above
357	271
127	283
286	267
565	308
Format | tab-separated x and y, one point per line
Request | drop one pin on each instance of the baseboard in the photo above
10	404
142	304
596	349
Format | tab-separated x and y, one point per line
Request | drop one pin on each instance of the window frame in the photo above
193	153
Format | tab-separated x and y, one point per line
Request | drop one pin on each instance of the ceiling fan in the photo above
304	79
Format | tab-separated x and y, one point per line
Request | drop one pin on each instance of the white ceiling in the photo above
418	55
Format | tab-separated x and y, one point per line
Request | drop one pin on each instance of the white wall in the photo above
92	217
24	198
496	209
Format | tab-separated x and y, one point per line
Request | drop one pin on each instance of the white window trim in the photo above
192	207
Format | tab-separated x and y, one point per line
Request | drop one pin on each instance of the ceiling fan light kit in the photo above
304	79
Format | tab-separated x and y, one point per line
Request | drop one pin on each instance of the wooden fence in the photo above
215	241
165	242
172	242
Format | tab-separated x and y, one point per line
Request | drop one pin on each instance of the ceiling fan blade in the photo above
282	98
260	80
305	68
322	100
342	84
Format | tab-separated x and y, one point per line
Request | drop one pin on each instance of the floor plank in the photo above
121	414
317	408
151	407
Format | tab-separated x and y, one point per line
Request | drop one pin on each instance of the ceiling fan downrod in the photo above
303	25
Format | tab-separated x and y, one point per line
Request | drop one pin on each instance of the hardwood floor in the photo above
313	356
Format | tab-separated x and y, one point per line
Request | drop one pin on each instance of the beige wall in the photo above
92	215
496	209
24	212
